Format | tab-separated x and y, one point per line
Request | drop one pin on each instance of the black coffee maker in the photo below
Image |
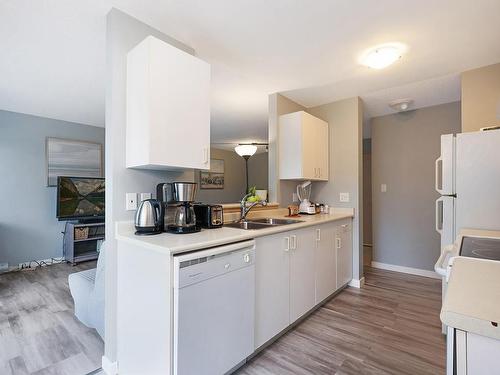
178	199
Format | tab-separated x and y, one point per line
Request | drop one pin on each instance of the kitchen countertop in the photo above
472	301
178	243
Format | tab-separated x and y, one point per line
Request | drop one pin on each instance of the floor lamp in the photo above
246	151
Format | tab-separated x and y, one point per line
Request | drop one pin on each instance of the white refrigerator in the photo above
468	179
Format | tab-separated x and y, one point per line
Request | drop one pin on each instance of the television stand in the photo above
82	240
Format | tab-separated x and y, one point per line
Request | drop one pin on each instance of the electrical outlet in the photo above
344	197
131	201
295	197
383	188
145	196
4	266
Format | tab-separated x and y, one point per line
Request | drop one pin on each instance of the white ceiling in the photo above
52	61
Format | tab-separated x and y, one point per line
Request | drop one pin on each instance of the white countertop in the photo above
472	301
177	243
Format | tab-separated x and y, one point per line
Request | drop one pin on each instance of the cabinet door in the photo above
168	108
344	253
302	272
482	355
290	146
272	304
322	152
310	168
326	267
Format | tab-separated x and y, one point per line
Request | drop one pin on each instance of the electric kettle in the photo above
148	217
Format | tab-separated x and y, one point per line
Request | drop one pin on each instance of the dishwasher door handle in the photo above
250	245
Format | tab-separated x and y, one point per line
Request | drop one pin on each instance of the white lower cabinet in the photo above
302	272
343	244
476	354
326	262
297	270
272	289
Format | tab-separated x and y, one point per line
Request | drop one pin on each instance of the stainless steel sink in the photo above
247	225
273	221
266	222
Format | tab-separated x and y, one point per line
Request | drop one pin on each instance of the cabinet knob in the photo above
246	258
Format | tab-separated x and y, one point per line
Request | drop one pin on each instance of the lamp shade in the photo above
245	150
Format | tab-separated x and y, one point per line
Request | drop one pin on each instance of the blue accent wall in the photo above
29	229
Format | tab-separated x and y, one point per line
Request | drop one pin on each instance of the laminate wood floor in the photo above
39	333
390	326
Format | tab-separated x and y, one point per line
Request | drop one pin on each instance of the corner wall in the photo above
404	149
123	32
345	119
279	191
481	98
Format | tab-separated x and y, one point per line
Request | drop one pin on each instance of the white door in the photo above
445	166
344	254
478	180
445	219
326	267
272	264
302	272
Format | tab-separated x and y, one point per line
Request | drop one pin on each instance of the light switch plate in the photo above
145	196
295	198
131	201
383	188
344	197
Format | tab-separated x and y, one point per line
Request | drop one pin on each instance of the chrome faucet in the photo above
244	210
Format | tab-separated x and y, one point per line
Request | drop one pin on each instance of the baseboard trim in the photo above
409	270
109	368
357	283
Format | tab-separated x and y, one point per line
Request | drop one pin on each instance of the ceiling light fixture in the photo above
401	105
381	56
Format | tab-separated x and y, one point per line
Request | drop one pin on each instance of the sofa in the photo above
87	290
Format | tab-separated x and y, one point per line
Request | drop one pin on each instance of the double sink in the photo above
262	223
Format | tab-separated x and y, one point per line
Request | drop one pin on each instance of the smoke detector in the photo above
401	105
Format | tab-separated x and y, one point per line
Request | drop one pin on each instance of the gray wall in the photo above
258	166
122	34
404	148
234	177
367	191
29	229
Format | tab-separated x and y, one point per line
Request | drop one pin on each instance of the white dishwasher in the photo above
214	299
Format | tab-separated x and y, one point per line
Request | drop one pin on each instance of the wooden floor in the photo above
391	326
38	332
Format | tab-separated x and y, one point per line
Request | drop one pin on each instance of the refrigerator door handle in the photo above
439	215
439	188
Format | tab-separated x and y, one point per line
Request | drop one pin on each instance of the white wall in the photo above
122	34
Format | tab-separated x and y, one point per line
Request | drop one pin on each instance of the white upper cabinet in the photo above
168	108
303	147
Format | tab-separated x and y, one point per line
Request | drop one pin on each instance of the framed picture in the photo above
68	157
213	178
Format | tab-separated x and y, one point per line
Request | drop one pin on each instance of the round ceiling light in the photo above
380	57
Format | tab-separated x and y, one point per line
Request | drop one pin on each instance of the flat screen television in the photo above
80	198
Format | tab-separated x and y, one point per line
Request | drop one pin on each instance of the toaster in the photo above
209	215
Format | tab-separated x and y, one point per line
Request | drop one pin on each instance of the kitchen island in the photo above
297	267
